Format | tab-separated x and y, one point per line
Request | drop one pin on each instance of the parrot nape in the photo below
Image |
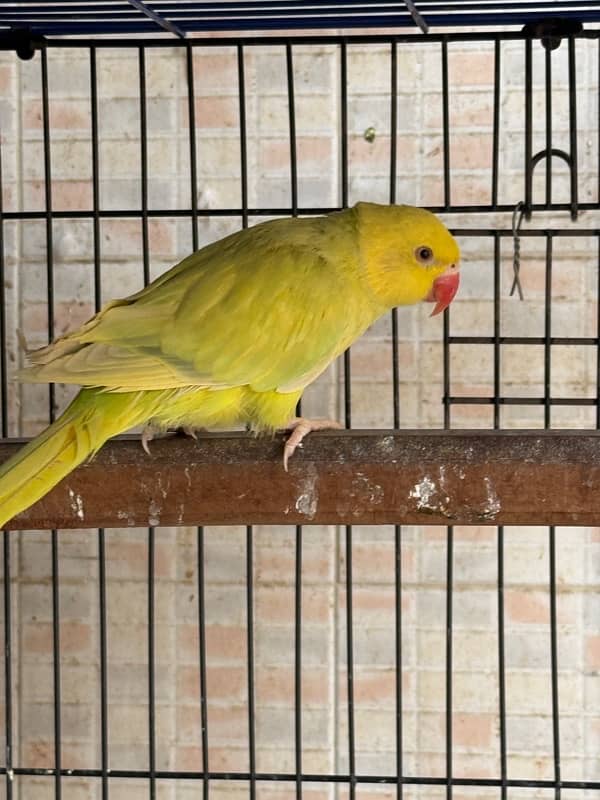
232	334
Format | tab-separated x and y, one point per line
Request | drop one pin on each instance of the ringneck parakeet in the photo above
232	334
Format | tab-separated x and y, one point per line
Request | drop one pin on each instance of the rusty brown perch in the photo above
360	477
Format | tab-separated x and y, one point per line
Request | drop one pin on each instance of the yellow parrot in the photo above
232	334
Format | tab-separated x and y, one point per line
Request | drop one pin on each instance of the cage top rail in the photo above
178	18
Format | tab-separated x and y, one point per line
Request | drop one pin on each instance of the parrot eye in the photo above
424	254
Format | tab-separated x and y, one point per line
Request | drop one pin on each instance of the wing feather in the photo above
269	307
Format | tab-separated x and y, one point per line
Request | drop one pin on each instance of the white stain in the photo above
386	445
423	492
76	504
164	490
126	516
443	486
308	499
154	514
493	505
368	490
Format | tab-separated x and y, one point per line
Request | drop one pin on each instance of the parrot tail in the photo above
93	417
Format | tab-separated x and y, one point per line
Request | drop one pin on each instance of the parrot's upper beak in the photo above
443	290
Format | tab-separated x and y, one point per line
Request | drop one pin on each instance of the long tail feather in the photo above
92	418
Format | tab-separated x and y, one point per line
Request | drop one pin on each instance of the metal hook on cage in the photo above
517	219
548	154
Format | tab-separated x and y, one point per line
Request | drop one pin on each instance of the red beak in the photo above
443	290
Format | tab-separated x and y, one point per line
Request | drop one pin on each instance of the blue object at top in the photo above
182	17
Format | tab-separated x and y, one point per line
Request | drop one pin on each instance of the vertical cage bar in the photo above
449	665
395	368
501	666
289	58
250	665
104	760
447	195
548	330
350	667
446	367
200	530
347	390
191	95
554	663
528	128
393	171
8	681
344	175
151	531
48	215
598	329
151	667
95	179
56	668
292	125
574	172
497	290
396	412
249	529
298	663
446	123
144	165
496	121
344	121
393	119
398	664
243	135
548	99
3	348
104	763
202	661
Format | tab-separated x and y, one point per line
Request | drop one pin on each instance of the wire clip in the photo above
517	219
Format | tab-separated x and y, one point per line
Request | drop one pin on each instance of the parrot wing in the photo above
270	310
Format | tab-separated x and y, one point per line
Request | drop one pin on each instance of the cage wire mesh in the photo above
311	662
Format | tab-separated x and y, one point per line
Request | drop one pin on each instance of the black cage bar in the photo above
550	217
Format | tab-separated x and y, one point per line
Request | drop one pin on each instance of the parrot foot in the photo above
148	434
187	430
299	428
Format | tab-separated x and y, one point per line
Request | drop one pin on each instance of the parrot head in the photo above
409	255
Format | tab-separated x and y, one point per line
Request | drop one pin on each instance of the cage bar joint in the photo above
552	30
23	41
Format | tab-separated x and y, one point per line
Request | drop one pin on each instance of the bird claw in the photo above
147	436
190	432
300	428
